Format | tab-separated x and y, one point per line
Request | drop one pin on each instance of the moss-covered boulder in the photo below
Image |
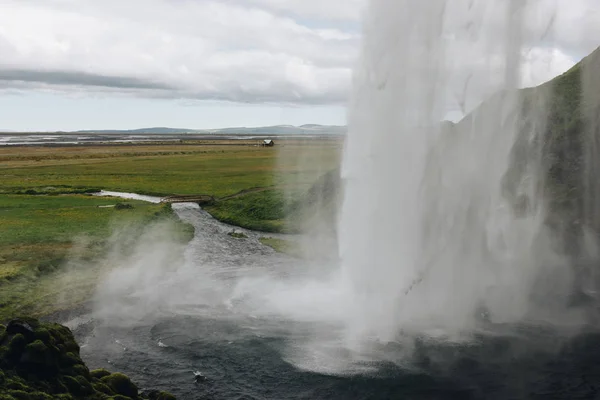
121	384
40	361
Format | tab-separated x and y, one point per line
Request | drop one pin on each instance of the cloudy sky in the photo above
84	64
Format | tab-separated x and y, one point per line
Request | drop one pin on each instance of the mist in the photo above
440	234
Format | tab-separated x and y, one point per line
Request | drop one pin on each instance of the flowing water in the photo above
261	325
456	271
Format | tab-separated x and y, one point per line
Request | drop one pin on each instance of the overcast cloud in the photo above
247	51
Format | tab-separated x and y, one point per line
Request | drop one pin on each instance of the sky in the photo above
114	64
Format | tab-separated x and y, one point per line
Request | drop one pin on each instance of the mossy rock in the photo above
69	360
41	356
21	395
121	384
163	396
120	397
41	361
17	345
99	373
79	370
78	386
102	388
15	385
43	334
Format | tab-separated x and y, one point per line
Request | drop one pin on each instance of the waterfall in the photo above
443	224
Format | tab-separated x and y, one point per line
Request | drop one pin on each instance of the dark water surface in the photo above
246	356
242	366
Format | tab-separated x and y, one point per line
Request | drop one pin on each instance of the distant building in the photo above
268	143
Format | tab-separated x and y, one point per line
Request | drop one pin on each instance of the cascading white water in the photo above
428	237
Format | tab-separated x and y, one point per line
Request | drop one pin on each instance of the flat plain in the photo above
46	206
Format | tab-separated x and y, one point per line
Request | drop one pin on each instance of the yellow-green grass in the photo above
38	230
216	170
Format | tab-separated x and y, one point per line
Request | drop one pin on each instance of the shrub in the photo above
123	206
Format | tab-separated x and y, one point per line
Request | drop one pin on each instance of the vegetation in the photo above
282	246
40	361
260	211
39	234
163	170
49	217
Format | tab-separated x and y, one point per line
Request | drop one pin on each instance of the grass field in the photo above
39	233
218	170
45	211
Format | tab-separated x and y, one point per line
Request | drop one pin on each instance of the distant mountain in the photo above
266	130
156	130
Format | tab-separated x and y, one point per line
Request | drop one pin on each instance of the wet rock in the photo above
41	361
23	327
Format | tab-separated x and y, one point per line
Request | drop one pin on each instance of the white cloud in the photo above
299	51
202	49
348	10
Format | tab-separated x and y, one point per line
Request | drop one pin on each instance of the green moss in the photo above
21	395
164	396
78	386
70	359
42	334
102	388
121	384
14	385
63	396
31	371
99	373
120	397
81	370
16	346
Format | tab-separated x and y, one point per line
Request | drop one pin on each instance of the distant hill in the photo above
156	130
266	130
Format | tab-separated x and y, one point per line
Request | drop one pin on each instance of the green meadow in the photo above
47	210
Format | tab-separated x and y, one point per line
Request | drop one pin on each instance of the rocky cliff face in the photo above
553	167
41	361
